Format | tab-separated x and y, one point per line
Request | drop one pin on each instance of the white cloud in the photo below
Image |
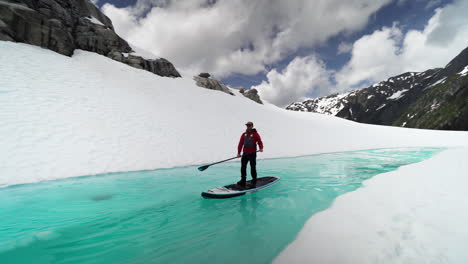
432	3
373	57
302	75
239	36
386	52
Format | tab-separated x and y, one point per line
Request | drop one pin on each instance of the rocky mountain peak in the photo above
436	98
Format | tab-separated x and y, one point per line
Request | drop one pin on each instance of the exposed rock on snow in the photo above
204	75
204	80
252	94
66	25
159	66
212	84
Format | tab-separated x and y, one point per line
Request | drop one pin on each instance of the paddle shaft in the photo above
223	161
206	166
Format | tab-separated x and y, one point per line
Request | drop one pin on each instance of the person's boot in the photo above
254	183
241	182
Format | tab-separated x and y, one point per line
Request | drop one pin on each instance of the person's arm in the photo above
260	143
241	144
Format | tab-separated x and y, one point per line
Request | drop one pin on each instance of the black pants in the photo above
246	158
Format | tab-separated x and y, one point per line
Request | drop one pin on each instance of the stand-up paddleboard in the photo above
233	190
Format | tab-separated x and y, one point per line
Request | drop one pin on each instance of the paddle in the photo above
202	168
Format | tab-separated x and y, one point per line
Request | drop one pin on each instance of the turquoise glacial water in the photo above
159	216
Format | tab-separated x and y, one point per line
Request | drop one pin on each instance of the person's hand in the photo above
261	150
238	155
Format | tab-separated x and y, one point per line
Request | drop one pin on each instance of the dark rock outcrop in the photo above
66	25
433	99
212	84
252	94
204	75
159	66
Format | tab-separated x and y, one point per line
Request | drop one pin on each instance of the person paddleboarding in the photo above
248	143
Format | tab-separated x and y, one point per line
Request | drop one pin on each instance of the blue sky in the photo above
410	14
117	3
197	37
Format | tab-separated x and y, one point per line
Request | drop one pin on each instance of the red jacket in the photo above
249	141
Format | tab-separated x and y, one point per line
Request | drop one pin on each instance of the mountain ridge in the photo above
433	99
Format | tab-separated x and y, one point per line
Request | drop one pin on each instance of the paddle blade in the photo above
202	168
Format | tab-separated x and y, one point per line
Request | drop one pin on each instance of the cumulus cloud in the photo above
386	52
303	75
236	36
375	57
432	3
242	36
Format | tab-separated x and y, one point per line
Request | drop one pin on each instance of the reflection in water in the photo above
248	209
101	197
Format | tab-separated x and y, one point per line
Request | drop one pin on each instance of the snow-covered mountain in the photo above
435	99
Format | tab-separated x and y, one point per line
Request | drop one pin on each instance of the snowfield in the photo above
416	214
63	117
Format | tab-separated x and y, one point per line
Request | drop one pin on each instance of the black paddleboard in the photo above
233	190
